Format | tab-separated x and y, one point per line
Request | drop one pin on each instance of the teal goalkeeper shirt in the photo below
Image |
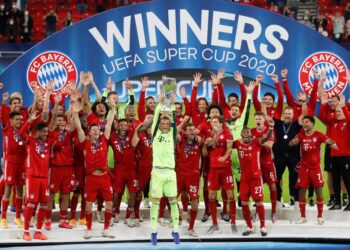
163	145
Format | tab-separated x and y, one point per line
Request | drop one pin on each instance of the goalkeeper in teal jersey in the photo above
163	177
236	124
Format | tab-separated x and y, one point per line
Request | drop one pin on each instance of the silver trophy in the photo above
168	88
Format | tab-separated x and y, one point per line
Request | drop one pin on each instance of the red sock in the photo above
48	214
108	216
119	200
100	203
129	211
28	212
88	216
213	211
4	206
273	197
184	201
206	201
41	217
73	205
319	203
224	201
18	207
162	205
302	206
137	208
83	204
63	215
261	212
193	216
232	204
246	214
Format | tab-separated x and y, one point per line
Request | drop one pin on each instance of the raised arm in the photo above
323	113
159	107
287	91
110	119
93	84
52	124
49	89
4	112
24	130
279	107
197	79
186	101
141	105
76	107
303	114
313	96
256	101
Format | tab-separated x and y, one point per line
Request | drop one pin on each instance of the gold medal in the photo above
20	143
42	156
285	137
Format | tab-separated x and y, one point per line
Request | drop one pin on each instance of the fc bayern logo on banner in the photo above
329	63
51	65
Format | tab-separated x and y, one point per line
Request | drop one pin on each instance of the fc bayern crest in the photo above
327	62
51	65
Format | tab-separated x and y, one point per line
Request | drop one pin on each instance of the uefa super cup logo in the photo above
51	65
331	65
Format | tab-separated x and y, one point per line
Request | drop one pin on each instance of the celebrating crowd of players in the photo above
50	149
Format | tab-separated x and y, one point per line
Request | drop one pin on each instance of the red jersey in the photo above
96	155
205	128
189	156
266	154
14	147
310	147
145	148
197	117
93	119
38	153
219	150
249	158
124	153
297	108
62	156
341	135
78	150
133	125
5	117
275	112
328	117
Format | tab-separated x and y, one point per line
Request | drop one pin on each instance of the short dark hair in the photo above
150	97
233	95
310	118
14	113
270	94
40	126
336	96
14	98
165	117
178	103
122	120
214	106
93	125
111	93
94	106
61	115
259	113
220	118
202	99
188	125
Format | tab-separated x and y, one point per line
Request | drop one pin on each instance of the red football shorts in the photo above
220	178
98	184
253	188
310	176
61	180
14	174
37	189
268	172
188	183
124	178
79	174
143	176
